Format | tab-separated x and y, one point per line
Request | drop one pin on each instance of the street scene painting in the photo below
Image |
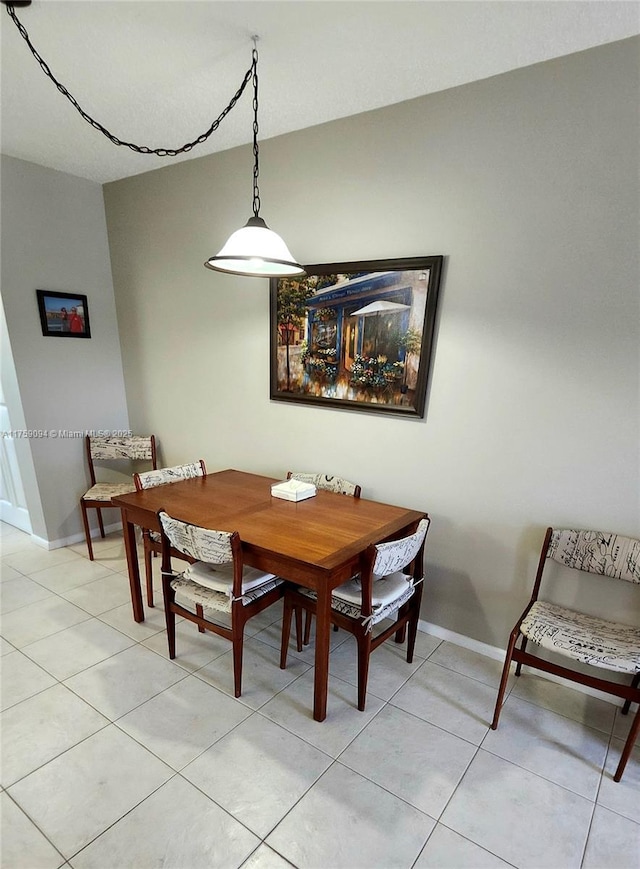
356	335
63	315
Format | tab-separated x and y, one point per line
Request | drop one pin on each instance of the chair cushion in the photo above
209	598
388	594
155	536
219	577
107	491
585	638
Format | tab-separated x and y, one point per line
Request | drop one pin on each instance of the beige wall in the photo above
528	184
54	237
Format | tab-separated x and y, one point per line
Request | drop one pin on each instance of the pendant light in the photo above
255	250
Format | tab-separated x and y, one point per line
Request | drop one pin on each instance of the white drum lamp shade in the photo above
255	250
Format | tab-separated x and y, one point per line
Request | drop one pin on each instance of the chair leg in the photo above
298	613
169	615
523	647
100	522
414	616
634	684
505	677
286	631
400	635
411	635
200	614
148	569
237	662
628	746
87	530
364	653
307	628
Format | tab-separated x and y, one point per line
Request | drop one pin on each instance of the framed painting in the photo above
63	315
356	335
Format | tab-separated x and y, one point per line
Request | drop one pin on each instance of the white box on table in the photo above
293	490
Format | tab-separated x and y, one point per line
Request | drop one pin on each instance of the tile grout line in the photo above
42	833
60	754
562	715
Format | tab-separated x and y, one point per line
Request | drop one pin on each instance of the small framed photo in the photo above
63	315
356	335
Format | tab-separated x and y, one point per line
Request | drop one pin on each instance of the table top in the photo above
323	535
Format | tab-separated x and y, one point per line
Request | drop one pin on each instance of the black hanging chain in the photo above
251	73
256	150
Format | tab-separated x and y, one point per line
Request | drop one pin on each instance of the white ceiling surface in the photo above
158	73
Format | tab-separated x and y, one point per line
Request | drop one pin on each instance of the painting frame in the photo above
60	320
356	335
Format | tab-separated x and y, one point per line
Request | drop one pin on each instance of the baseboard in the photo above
74	538
461	640
497	654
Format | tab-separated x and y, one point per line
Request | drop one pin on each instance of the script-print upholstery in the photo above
395	555
597	552
213	547
584	638
326	482
579	636
209	582
134	447
162	476
106	491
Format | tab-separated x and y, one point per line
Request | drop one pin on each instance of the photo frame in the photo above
63	315
356	335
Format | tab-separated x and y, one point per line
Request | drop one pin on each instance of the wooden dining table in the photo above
316	543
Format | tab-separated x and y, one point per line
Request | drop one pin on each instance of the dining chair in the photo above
330	484
587	639
151	539
390	581
326	482
217	580
98	497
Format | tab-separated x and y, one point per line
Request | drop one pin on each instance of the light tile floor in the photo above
114	756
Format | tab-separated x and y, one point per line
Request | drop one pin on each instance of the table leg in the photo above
129	531
323	633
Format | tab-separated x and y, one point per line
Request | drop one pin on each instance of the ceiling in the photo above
158	73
